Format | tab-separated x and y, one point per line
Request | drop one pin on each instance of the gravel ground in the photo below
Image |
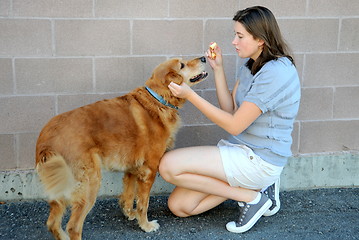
311	214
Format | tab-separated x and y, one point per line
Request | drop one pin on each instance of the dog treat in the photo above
211	48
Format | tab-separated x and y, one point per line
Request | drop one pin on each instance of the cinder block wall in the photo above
58	55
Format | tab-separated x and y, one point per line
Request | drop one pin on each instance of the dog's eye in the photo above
182	65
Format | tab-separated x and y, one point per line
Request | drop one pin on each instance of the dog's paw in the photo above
62	236
129	213
131	216
150	226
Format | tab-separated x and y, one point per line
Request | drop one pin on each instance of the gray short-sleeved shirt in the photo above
275	89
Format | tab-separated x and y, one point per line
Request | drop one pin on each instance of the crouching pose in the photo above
258	115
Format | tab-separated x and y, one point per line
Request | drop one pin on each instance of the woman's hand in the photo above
218	61
180	91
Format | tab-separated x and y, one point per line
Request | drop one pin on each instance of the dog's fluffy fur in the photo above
128	133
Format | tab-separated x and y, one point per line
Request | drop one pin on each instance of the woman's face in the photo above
246	46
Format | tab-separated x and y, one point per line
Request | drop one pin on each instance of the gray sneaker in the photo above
249	215
273	193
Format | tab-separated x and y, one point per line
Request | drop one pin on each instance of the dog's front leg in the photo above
126	199
144	183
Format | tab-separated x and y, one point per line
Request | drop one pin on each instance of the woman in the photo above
259	117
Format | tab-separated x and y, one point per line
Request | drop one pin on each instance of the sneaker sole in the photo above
231	226
269	213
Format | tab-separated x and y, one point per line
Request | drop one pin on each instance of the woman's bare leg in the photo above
200	179
184	202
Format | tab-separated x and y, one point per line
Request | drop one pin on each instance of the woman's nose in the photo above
235	40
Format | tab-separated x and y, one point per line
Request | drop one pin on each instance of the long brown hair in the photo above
261	24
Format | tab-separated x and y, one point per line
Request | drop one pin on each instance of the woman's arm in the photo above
223	94
234	124
234	96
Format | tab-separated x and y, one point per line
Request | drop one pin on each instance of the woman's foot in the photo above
249	214
273	193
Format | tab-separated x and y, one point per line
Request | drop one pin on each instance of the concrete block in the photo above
310	35
196	8
7	151
280	8
320	8
346	102
48	75
211	96
230	68
52	8
299	64
190	115
124	74
329	136
111	184
348	37
28	37
221	32
295	138
5	8
25	113
90	37
302	172
16	185
131	9
199	135
6	76
326	70
25	184
26	150
161	37
316	104
321	171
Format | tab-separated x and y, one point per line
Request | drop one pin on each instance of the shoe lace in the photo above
243	209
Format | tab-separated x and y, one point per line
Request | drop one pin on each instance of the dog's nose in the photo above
203	59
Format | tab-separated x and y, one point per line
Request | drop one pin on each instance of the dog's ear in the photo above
167	72
173	76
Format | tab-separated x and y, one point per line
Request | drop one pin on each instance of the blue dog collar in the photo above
160	98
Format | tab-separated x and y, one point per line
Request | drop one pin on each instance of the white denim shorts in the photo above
243	168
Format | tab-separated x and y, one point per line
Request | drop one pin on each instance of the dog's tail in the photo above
56	177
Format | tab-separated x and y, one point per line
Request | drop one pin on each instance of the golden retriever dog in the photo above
129	133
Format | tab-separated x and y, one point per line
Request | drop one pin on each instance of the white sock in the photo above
264	189
256	200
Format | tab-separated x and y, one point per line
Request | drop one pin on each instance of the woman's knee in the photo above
176	207
165	167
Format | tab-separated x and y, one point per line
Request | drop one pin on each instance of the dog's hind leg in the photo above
82	202
144	184
128	195
84	197
57	209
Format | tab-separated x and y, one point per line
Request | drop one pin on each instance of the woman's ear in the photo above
260	43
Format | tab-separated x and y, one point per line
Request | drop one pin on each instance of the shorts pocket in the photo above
270	169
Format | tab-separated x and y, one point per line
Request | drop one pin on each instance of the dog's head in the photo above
178	71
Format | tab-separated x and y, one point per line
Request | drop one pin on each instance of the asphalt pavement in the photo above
308	214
